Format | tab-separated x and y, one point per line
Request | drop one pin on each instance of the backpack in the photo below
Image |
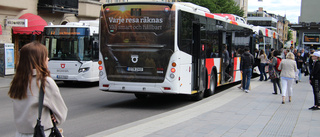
273	74
278	64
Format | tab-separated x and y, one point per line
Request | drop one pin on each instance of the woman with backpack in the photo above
273	72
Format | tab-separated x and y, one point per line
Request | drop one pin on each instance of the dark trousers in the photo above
263	72
246	77
315	87
276	82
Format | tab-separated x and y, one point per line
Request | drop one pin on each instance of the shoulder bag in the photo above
39	129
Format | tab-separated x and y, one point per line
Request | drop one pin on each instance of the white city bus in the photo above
266	39
168	48
73	51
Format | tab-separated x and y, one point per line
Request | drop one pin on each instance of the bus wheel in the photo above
198	96
212	86
141	96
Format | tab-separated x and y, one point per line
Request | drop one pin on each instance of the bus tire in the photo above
141	96
212	85
197	96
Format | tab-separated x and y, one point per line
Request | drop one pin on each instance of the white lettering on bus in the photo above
135	20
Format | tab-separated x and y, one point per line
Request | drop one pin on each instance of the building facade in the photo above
309	25
39	13
243	4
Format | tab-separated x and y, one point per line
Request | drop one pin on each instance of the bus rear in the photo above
136	47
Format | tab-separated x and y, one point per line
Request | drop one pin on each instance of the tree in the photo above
219	6
289	36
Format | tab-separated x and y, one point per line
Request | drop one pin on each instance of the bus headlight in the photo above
84	69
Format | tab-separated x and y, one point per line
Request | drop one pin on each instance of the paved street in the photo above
234	113
230	113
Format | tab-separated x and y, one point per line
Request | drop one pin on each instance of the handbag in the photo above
39	129
54	130
273	74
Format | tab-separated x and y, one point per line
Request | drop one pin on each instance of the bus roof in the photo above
93	25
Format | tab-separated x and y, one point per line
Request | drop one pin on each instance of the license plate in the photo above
135	69
62	77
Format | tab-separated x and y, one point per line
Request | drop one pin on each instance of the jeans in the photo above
246	77
299	74
263	71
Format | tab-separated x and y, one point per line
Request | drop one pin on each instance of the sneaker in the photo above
247	91
312	107
274	93
316	108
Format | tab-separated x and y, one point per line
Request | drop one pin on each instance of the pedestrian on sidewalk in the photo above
263	62
246	64
274	73
288	69
32	74
300	62
315	80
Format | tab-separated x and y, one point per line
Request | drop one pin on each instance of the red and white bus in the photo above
168	48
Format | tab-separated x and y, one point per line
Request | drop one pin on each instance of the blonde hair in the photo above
290	55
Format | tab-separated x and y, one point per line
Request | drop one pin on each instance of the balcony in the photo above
65	6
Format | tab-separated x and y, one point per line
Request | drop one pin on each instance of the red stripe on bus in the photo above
209	66
235	60
209	15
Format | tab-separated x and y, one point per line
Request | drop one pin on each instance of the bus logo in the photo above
134	58
63	65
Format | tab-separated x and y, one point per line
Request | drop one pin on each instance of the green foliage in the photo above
289	36
219	6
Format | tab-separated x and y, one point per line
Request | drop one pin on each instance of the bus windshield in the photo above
136	41
68	44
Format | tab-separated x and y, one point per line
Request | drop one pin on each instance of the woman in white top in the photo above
288	69
32	74
263	62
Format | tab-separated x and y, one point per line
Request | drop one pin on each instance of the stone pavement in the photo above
233	113
5	81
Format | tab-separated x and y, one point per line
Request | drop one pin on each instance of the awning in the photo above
35	24
0	30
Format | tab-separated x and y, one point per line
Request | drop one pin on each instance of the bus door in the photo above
226	57
198	60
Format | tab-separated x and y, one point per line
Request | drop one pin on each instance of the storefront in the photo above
24	35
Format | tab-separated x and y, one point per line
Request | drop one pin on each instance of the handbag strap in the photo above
41	96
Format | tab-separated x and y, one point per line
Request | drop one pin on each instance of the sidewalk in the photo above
234	113
5	81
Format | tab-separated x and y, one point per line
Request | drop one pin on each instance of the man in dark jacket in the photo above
246	64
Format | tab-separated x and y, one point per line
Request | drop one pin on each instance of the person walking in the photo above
315	80
246	64
288	69
300	62
263	62
276	74
32	74
310	61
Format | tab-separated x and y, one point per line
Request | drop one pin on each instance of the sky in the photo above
290	8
